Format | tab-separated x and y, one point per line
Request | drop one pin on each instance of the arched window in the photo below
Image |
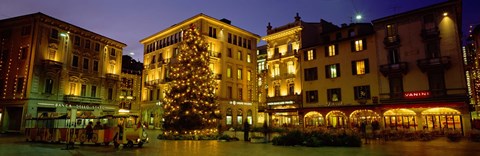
239	116
228	118
249	117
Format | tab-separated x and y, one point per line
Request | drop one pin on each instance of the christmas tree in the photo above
190	106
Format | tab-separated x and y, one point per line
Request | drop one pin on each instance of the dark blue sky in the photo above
129	21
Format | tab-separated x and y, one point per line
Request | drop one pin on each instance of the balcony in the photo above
50	64
82	99
389	69
151	66
296	98
278	55
152	82
391	41
111	76
164	61
215	54
431	33
434	63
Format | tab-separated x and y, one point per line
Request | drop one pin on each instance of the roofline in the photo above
194	18
42	14
414	11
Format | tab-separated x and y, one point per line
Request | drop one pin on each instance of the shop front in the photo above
400	119
336	118
314	119
152	114
442	118
366	116
236	113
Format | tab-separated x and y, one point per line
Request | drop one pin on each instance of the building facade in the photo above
233	62
340	78
50	67
284	78
423	84
130	86
472	54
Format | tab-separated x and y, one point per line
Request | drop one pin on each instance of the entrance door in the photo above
15	118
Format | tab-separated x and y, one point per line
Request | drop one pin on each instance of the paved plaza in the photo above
16	145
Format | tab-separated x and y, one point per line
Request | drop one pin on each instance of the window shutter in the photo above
367	66
337	51
326	51
364	42
338	69
352	45
354	68
314	54
329	94
327	72
339	94
305	55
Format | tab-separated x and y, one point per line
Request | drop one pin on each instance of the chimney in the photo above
224	20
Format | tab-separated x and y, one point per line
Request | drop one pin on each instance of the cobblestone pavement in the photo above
16	145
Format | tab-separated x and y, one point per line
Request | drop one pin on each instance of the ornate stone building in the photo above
50	67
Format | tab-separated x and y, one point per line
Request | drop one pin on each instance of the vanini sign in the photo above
417	94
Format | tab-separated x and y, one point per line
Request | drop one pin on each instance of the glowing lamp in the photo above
445	14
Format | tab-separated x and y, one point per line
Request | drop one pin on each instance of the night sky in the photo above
129	21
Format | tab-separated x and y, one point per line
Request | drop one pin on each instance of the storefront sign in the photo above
240	103
281	103
418	94
76	106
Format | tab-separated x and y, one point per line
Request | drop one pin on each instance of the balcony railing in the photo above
289	53
387	69
215	54
434	63
111	76
152	82
391	41
82	99
295	97
50	64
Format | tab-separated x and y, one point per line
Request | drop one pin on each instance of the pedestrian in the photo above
89	130
97	126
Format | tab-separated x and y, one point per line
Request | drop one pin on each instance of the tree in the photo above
190	103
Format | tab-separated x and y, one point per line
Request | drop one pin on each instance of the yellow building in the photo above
423	84
233	61
130	86
340	77
284	78
50	67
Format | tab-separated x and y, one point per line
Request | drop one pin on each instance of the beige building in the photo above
423	84
233	61
340	77
50	67
284	78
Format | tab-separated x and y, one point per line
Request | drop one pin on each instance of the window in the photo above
311	74
26	30
249	58
331	50
229	72
244	43
20	84
95	65
97	46
83	90
158	94
54	34
239	116
338	36
239	55
240	41
229	38
110	93
212	32
261	66
48	86
249	75
334	95
429	22
240	93
310	55
332	70
112	52
393	57
229	92
312	96
276	70
290	67
87	44
351	33
391	30
229	52
73	88
359	45
228	118
249	117
153	60
291	88
234	39
93	91
249	45
362	92
360	67
77	41
239	73
85	63
75	61
24	52
277	90
150	95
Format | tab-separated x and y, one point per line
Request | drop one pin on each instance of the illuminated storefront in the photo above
442	118
314	119
400	119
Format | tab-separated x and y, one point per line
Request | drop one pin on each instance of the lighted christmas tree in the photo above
190	103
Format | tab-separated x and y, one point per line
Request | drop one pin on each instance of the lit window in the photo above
249	59
291	68
358	45
229	72
249	74
239	74
333	70
310	55
332	50
360	67
239	55
72	88
83	90
334	95
276	71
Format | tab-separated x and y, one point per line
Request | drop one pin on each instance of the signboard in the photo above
281	103
76	106
240	103
417	94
